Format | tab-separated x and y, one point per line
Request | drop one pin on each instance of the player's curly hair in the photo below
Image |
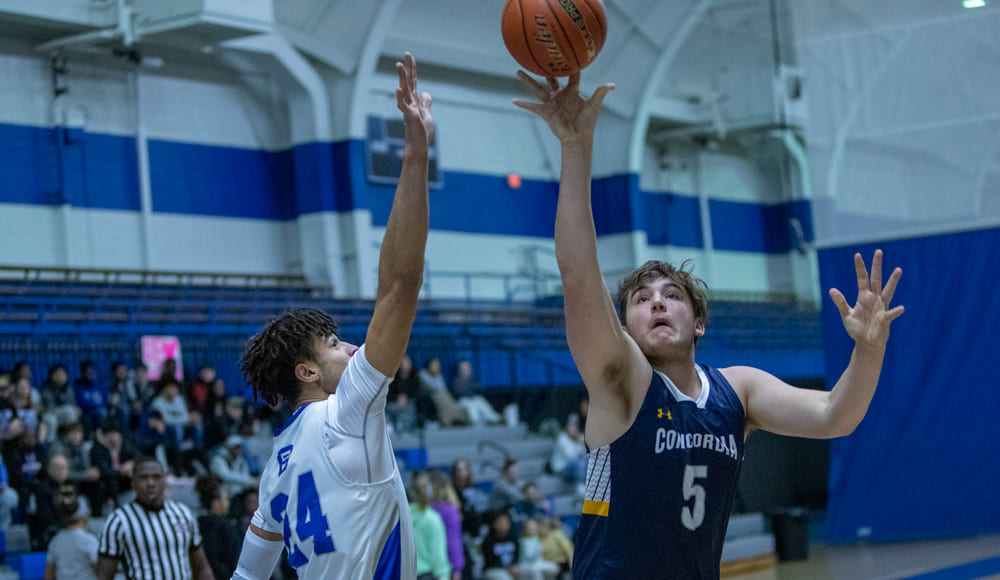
269	357
683	276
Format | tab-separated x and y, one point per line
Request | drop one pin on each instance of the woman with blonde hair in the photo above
444	500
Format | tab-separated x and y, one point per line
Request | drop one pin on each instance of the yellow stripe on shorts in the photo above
596	508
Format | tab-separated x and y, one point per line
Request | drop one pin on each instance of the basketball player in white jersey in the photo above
331	494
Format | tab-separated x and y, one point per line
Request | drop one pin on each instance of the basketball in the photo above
554	37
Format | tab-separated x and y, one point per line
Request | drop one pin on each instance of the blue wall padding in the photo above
923	463
51	166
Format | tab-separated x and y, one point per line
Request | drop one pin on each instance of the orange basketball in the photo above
554	37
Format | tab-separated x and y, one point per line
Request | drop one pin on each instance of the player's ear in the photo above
699	326
307	372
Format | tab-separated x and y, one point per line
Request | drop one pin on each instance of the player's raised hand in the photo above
868	321
570	115
416	106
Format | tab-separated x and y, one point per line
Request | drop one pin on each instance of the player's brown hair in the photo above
694	287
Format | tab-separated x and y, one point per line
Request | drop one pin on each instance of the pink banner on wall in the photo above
156	350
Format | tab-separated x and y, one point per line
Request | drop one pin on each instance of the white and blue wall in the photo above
257	159
255	126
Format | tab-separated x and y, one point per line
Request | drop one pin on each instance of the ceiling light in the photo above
973	3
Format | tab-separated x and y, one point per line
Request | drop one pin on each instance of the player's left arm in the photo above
776	406
200	569
401	259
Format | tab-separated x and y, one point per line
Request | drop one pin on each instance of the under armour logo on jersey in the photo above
283	454
659	414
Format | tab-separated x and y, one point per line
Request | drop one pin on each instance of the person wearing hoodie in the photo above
428	531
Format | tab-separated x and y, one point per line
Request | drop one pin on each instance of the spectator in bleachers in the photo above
8	497
20	371
82	473
472	501
506	489
10	425
444	500
215	401
533	565
556	545
244	506
172	407
28	403
58	400
114	457
428	531
44	500
168	372
466	389
72	553
143	391
569	456
223	539
120	393
447	411
200	388
229	419
401	401
152	439
230	466
91	397
25	459
532	505
500	550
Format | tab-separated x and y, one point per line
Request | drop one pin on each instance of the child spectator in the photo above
556	545
72	553
500	550
533	565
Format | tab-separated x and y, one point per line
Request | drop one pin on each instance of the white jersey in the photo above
331	487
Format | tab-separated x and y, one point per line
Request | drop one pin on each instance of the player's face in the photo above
660	318
332	355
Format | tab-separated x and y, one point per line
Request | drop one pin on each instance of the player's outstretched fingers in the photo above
876	277
890	287
862	272
532	86
840	302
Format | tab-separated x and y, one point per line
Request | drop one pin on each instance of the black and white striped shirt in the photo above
152	545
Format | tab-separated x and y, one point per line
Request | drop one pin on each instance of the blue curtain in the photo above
925	462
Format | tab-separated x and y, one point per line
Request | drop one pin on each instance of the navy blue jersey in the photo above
658	498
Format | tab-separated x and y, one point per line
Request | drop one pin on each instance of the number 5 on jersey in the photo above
692	517
310	521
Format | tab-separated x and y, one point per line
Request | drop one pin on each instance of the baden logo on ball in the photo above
555	38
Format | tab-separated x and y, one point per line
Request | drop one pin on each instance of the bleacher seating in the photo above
100	315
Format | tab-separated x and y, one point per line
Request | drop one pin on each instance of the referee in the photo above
153	538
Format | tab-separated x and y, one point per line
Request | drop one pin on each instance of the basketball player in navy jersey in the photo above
665	435
331	494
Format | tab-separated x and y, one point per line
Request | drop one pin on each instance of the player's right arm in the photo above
401	259
612	367
260	553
